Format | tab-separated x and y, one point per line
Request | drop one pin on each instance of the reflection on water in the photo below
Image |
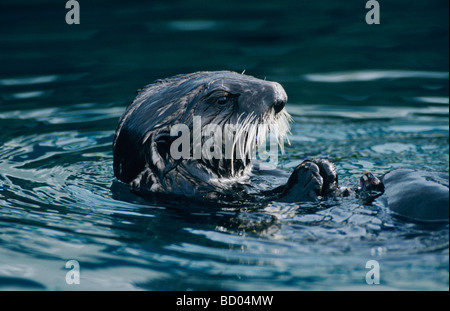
366	97
368	75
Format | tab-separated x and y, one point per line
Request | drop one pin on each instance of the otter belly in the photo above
416	194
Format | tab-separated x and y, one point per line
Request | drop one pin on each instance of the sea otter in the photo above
196	135
244	109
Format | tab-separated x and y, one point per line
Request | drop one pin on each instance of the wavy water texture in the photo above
57	204
366	98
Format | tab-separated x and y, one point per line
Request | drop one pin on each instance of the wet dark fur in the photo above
142	141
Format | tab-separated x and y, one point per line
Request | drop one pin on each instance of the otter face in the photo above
246	95
233	112
252	106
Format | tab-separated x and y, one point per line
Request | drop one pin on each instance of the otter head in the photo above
226	116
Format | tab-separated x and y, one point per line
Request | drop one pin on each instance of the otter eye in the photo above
222	100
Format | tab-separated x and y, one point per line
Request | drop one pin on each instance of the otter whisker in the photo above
252	132
239	140
241	133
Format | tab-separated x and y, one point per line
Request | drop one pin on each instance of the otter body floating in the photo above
232	114
417	194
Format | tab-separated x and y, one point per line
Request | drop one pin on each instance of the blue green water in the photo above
368	97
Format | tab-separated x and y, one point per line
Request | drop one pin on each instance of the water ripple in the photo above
373	75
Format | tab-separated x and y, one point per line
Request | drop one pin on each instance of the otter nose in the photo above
279	105
280	98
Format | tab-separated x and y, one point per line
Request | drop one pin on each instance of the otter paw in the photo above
368	182
329	176
305	184
370	187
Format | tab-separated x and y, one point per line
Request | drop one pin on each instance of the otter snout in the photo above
263	97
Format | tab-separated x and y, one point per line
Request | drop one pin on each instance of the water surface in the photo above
366	97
